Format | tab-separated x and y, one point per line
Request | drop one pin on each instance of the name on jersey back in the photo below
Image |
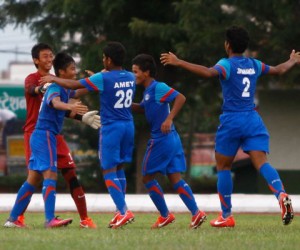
127	84
250	71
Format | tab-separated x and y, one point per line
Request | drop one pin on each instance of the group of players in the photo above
48	104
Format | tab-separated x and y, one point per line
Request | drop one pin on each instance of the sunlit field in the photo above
252	231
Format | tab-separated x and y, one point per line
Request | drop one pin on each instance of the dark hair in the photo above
145	62
61	61
36	49
116	52
238	39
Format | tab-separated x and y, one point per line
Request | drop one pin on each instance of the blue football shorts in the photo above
116	143
241	129
43	151
165	155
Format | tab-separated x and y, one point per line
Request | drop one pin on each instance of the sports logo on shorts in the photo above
147	97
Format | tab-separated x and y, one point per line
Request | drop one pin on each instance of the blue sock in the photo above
114	188
122	179
157	196
49	195
272	177
23	198
187	196
225	187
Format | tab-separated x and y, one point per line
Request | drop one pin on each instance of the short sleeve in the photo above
93	83
223	67
164	93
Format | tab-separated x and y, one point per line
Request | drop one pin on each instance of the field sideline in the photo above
247	203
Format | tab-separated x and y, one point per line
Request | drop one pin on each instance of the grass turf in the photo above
252	231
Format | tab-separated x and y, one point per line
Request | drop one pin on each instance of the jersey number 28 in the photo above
125	98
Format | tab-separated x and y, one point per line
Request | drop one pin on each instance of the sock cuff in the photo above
151	183
179	184
29	186
49	182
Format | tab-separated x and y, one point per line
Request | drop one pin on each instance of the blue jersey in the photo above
238	76
50	118
156	105
117	88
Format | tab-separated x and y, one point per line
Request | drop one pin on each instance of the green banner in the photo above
12	98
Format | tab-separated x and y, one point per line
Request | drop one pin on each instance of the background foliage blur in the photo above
193	29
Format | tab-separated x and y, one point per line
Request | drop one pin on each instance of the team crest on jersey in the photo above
147	97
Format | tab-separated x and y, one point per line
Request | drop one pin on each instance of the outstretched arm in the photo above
178	103
172	59
66	83
284	67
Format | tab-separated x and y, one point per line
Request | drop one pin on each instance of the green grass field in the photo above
252	231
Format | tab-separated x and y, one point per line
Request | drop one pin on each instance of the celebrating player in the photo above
42	55
43	160
116	87
241	126
164	152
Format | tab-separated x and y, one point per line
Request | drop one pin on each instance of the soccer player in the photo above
42	55
116	87
240	125
164	152
43	160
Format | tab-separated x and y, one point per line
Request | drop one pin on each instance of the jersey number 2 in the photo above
125	99
246	92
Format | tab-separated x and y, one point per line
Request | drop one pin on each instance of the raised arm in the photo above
178	103
66	83
286	66
172	59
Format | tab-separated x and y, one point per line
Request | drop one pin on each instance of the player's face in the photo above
140	76
45	60
69	72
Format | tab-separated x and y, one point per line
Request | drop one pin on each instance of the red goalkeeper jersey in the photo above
33	101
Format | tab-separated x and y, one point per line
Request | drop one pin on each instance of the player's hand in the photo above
47	79
92	119
79	108
169	59
89	72
43	88
166	126
295	56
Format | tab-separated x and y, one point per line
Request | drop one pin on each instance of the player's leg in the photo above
110	154
270	174
187	196
157	196
27	149
228	139
23	199
224	187
67	166
49	196
122	178
257	144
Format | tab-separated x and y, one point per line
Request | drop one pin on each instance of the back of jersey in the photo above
238	76
117	88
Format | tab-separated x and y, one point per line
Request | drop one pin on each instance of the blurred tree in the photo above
193	29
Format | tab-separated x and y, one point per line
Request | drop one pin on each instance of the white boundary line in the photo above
250	203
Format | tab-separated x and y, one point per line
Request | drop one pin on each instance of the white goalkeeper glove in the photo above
90	118
43	88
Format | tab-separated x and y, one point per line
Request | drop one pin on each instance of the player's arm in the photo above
32	88
76	107
66	83
172	59
286	66
137	108
178	103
